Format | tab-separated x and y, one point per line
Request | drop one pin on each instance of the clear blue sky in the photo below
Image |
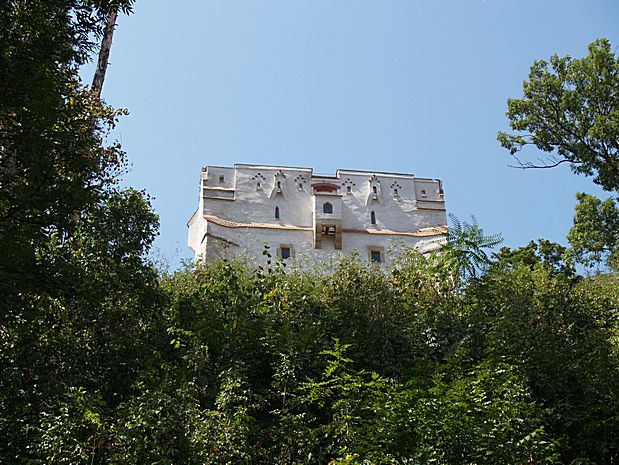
414	86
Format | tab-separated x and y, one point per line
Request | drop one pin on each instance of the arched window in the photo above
327	208
277	213
373	218
374	189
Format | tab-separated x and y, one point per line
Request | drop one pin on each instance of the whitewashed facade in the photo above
298	213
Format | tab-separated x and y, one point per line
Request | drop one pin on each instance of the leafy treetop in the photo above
570	109
595	234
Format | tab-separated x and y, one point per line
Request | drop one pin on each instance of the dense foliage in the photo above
225	363
570	110
54	161
451	358
595	234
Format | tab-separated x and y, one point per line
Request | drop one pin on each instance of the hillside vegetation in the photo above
228	364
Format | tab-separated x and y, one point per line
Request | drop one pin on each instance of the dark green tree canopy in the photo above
595	234
54	159
570	109
542	252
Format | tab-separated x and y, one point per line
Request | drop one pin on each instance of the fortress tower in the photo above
294	211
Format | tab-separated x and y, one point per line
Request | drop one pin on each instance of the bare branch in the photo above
527	165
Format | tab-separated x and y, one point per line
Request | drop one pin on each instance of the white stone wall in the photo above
249	243
318	206
249	194
255	204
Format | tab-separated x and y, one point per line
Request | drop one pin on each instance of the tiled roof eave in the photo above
234	224
424	232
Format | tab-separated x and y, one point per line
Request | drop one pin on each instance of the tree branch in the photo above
528	165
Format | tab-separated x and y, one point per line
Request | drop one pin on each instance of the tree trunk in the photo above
104	53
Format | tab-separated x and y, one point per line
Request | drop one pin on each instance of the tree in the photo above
595	234
466	243
78	299
561	334
53	159
570	110
537	253
111	11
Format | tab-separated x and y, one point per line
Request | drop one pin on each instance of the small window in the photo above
375	256
348	189
285	252
375	189
258	186
279	184
277	213
373	218
221	179
423	193
327	208
395	192
300	186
